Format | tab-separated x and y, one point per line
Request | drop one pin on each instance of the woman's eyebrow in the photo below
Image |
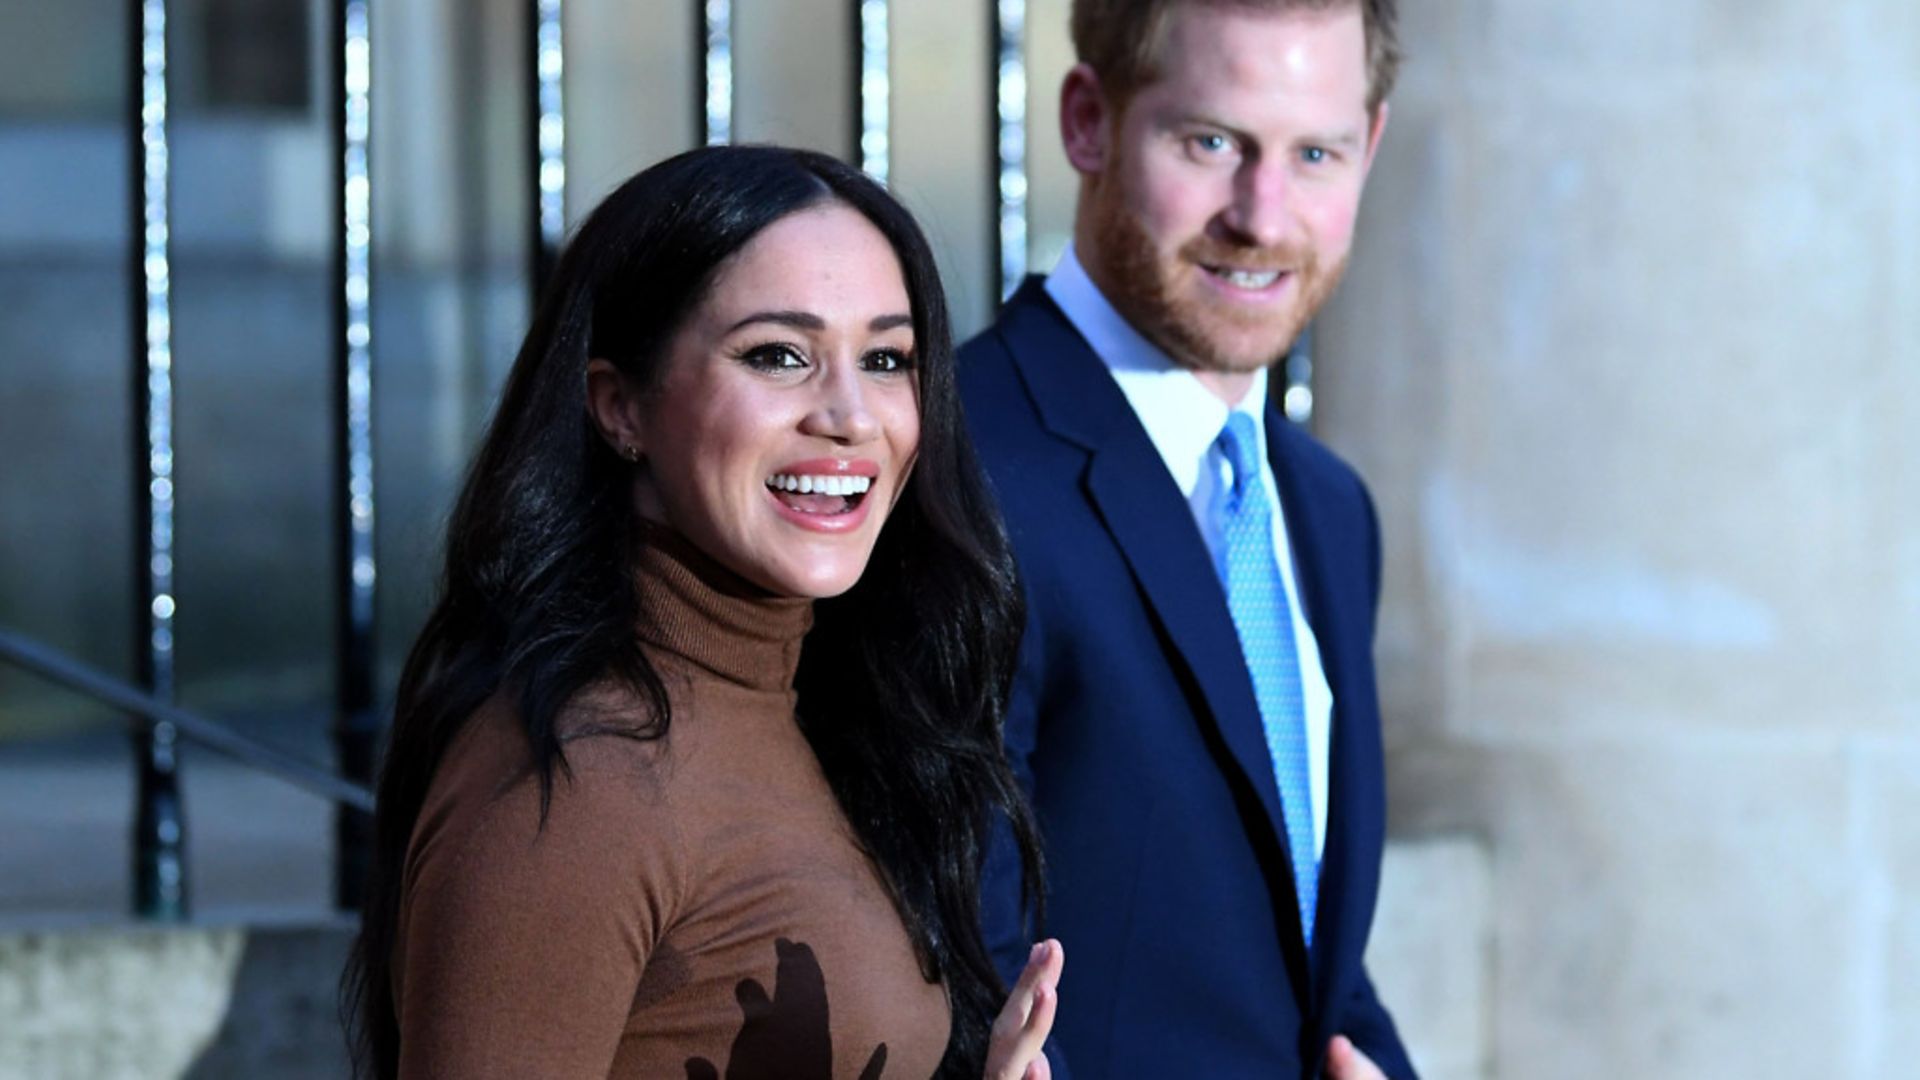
799	320
806	320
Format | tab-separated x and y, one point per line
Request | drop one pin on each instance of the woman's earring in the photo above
630	452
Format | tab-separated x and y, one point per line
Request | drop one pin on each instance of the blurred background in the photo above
1627	352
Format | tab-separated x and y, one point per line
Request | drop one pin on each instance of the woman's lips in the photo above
831	466
825	494
819	512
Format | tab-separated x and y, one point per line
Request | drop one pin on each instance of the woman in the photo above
606	844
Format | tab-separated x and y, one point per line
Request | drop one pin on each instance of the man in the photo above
1195	715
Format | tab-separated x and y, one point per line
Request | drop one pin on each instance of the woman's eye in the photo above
888	360
776	357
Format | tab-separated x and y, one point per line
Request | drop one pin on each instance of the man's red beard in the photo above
1198	331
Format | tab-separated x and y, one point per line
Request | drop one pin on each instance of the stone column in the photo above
1630	354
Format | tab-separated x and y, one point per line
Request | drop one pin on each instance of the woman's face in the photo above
786	415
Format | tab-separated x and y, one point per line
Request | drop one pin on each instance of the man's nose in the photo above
840	411
1260	213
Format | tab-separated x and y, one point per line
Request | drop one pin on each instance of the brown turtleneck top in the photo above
695	906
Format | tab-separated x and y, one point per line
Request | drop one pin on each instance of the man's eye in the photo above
1313	155
775	357
1211	144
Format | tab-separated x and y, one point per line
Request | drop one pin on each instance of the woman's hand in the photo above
1022	1026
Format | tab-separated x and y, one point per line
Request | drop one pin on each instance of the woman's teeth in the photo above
820	485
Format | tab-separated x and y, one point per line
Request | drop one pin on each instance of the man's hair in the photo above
1120	39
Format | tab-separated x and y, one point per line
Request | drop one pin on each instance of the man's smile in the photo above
1245	279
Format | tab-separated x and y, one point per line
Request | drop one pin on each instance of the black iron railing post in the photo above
1295	389
547	138
714	91
357	722
872	87
1009	90
159	831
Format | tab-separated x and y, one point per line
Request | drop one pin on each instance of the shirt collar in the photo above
1182	417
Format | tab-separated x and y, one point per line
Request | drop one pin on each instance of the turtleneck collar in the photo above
696	609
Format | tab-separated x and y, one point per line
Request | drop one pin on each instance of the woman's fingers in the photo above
1024	1022
1043	969
1046	999
1040	1069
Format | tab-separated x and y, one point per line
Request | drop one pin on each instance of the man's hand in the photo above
1346	1062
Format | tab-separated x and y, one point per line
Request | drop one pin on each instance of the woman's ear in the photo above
615	404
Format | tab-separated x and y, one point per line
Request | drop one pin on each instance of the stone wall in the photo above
1630	352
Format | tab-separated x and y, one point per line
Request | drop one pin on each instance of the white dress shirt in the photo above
1184	420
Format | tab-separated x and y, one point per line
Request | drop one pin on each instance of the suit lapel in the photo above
1127	483
1329	620
1154	529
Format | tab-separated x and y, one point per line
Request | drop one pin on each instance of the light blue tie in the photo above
1258	602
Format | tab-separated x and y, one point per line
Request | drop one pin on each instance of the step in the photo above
204	1001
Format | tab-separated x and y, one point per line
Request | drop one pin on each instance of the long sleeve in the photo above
1371	1029
522	944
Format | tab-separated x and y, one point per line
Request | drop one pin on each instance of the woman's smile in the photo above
824	495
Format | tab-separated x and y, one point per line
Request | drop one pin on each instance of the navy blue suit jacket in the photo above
1134	726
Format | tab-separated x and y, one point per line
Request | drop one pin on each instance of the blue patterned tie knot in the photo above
1257	599
1241	443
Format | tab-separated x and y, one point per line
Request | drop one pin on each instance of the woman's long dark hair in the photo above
909	669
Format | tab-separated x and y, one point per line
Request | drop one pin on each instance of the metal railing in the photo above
160	880
148	710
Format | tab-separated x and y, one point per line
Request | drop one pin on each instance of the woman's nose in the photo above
840	412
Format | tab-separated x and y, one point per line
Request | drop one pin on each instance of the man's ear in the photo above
614	402
1085	115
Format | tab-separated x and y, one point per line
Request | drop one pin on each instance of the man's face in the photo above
1222	196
